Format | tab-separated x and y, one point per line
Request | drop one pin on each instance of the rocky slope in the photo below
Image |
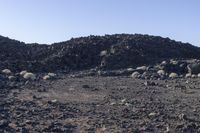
102	52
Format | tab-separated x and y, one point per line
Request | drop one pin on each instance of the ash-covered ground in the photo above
119	83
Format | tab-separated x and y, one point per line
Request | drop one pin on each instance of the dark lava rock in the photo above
194	68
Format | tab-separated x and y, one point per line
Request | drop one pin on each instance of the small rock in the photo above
149	83
22	73
49	76
188	75
6	71
46	77
135	75
52	74
103	53
41	90
161	72
167	129
11	78
130	69
194	76
198	75
54	101
85	86
173	75
29	76
3	123
113	103
164	63
143	68
152	114
182	116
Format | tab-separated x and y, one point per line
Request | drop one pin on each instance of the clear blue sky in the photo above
48	21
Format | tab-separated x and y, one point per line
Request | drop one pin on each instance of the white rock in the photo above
161	72
142	68
6	71
198	75
22	73
188	75
164	62
29	76
51	74
103	53
46	77
123	100
130	69
54	101
11	77
173	75
135	75
194	76
152	114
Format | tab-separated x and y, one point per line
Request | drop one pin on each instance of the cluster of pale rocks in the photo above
192	71
26	75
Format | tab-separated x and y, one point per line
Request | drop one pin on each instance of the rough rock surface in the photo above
105	52
91	88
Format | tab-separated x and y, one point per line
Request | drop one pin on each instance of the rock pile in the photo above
109	52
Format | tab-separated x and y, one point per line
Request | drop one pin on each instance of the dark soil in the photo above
103	104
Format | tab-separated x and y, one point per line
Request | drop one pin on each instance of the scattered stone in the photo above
164	63
54	101
152	114
173	75
167	129
49	76
123	101
52	75
29	76
11	78
3	123
194	68
130	69
41	90
103	53
149	83
161	72
143	68
85	86
113	103
198	75
194	76
182	116
135	75
46	77
22	73
188	75
6	71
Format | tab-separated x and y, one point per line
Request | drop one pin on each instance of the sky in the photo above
49	21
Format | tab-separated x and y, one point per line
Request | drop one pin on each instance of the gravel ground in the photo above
102	104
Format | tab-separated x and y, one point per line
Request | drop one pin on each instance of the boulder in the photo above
194	68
